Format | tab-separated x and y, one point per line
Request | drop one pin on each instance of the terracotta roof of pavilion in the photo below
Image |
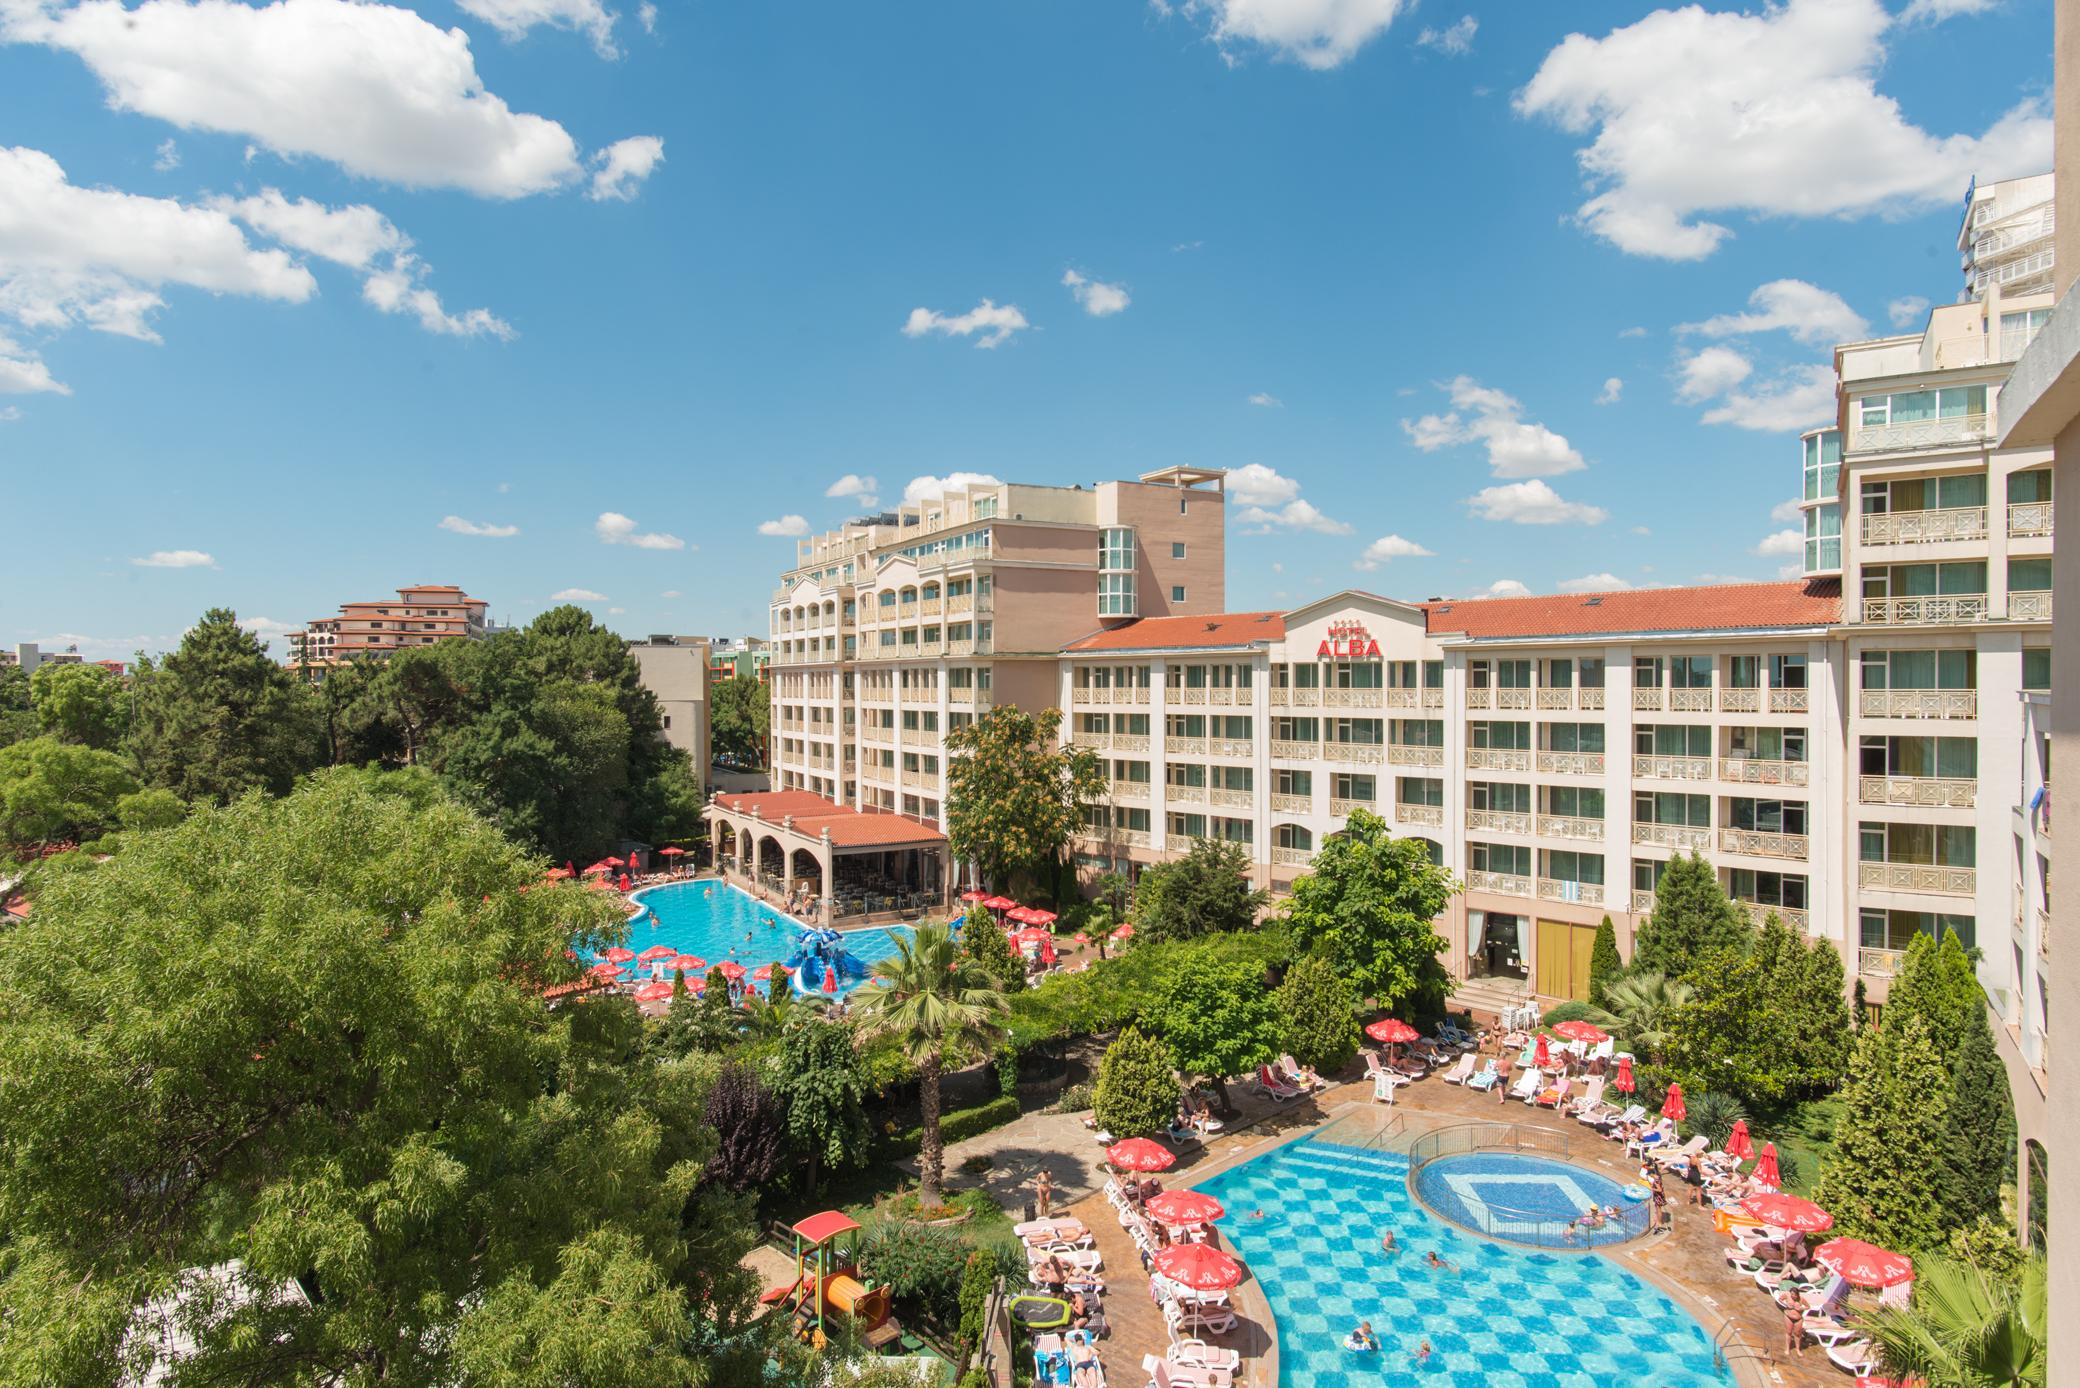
849	828
1722	607
1218	629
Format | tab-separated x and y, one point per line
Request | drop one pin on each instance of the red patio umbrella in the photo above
998	903
1391	1031
972	897
1200	1266
1864	1264
1017	913
830	979
1032	935
731	969
763	973
691	963
1125	932
1739	1145
1787	1212
655	952
1140	1154
1543	1055
1766	1166
657	990
672	851
1583	1032
624	881
558	874
606	971
1185	1207
1080	938
612	862
1624	1083
597	870
619	954
1673	1106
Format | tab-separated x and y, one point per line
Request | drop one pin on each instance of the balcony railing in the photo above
1513	698
1296	751
1762	771
1292	857
1130	742
1740	700
1556	698
1402	698
2029	607
1230	747
1925	527
1353	698
2027	518
1873	962
1096	742
1790	700
1555	889
1429	815
1185	746
1759	844
1362	753
1690	701
1938	791
1292	804
1673	768
1185	795
1480	698
1649	698
1506	883
1341	806
1918	877
1499	821
1566	826
1498	759
1793	916
1189	696
1951	610
1677	836
1919	433
1130	790
1230	799
1642	903
1433	698
1919	703
1571	763
1408	754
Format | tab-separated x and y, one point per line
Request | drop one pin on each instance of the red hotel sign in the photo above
1348	641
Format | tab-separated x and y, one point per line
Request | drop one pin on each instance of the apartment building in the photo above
676	669
417	616
895	629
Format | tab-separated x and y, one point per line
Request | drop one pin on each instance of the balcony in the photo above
1689	701
2029	518
1130	742
1292	804
1793	916
1513	698
1650	698
1296	751
1354	698
2029	607
1408	754
1498	759
1292	857
1480	698
1130	790
1574	827
1090	696
1571	763
1360	753
1918	703
1230	747
1184	795
1096	742
1759	844
960	602
1955	609
1401	698
1872	962
1761	771
1740	701
1190	696
1919	433
1340	807
1790	701
1925	527
1505	883
1918	877
1430	816
1556	698
1555	889
1184	746
1676	836
1223	798
1673	768
1941	792
929	607
1642	903
1498	821
1433	698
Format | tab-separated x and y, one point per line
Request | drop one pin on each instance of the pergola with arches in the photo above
783	839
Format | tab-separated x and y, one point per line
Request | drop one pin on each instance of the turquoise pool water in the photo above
1528	1199
718	922
1509	1317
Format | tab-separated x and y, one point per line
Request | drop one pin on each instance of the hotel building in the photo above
417	616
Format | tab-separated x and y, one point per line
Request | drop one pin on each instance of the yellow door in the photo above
1555	960
1584	942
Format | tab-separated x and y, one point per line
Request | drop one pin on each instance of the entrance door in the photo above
1564	950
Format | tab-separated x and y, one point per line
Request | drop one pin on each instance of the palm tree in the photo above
1965	1329
1642	1006
931	995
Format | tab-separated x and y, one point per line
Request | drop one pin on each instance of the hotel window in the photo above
1292	836
1500	797
1559	674
1115	595
1572	737
1690	672
1513	859
1296	729
1513	674
1133	772
1784	889
1361	731
1237	727
1347	787
1433	674
1177	549
1177	592
2029	575
888	598
1116	549
1881	929
1188	775
1743	671
1672	807
1235	830
1187	826
1766	816
1419	790
1647	672
1572	802
1300	783
1920	669
1646	874
1567	866
2031	486
1505	736
1766	744
1234	778
1945	758
1131	724
1914	406
1308	676
1787	672
1925	494
1967	578
2036	669
985	507
1671	740
1927	845
1355	674
1184	725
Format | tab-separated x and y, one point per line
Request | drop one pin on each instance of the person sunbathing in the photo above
1052	1273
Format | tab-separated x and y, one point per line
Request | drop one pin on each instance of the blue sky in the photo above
283	289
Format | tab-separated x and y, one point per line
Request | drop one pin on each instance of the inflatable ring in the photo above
1637	1192
1351	1343
1039	1312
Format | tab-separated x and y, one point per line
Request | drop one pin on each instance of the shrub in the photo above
1205	892
1320	1015
1714	1116
976	1277
1077	1097
1988	1244
1137	1092
1605	963
922	1264
1006	1065
1573	1012
985	943
961	1124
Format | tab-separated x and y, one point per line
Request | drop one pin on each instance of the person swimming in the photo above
1434	1261
1387	1244
1361	1338
1421	1356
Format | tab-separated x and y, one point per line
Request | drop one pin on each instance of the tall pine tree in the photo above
1980	1149
1605	964
1886	1169
1692	917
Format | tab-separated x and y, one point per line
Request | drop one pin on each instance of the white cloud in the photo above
646	15
1503	588
167	157
1773	112
671	593
1298	514
616	611
513	18
1481	413
1269	500
176	559
1906	311
1320	34
1710	373
620	169
22	372
1612	389
1264	400
613	528
1454	39
789	526
1254	484
994	324
1099	299
268	629
864	490
1593	583
351	236
1798	398
9	414
1781	543
397	290
1387	548
923	489
457	525
577	595
1815	316
373	88
1643	530
1532	503
1936	11
1632	332
1785	511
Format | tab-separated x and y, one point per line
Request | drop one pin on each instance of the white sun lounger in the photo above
1166	1373
1461	1071
1859	1358
1527	1085
1190	1351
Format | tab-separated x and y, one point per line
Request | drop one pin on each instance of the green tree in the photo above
1754	1028
353	1083
218	717
1368	907
56	792
1886	1166
1203	893
931	998
983	940
1605	963
1217	1017
1014	796
824	1085
1643	1008
750	1123
1137	1092
83	704
1965	1329
1937	981
1321	1015
1692	917
150	809
1979	1151
739	717
17	718
1821	1024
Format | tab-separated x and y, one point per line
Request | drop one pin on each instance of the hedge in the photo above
961	1124
1572	1011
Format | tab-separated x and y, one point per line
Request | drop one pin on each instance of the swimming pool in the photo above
1508	1318
1528	1199
717	922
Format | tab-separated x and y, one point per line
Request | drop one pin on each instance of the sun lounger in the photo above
1526	1087
1826	1330
1162	1373
1859	1357
1270	1084
1460	1072
1591	1097
1185	1136
1190	1351
1555	1096
1209	1321
1828	1298
1289	1071
1485	1078
1693	1148
1081	1259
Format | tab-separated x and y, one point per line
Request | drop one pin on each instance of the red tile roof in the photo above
1725	607
1186	633
849	828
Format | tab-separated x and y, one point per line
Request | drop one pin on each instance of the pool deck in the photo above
1686	1263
